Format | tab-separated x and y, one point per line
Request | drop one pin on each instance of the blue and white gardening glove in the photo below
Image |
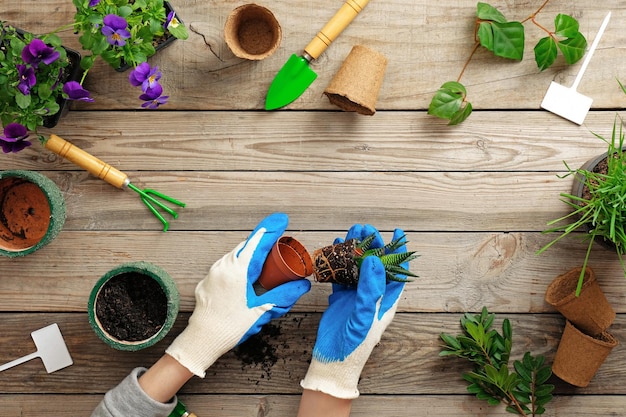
228	310
353	324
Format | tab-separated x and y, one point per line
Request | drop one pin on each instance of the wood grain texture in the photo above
473	200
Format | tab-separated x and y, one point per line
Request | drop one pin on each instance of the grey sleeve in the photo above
128	399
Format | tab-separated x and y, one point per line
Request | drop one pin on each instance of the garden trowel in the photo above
296	76
51	349
566	101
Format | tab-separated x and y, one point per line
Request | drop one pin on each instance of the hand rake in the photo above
113	176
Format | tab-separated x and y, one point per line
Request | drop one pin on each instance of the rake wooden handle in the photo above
87	161
336	25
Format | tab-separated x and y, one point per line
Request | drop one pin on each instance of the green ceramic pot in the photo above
32	212
154	298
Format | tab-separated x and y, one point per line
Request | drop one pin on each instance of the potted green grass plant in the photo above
597	203
522	388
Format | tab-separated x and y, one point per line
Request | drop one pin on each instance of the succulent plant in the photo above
340	263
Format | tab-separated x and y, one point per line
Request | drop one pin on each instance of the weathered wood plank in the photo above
410	344
458	271
426	44
448	201
323	141
287	405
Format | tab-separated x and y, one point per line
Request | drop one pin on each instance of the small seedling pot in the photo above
287	261
252	32
579	356
133	306
590	311
32	212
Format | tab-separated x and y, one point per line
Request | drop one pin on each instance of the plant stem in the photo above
467	61
532	16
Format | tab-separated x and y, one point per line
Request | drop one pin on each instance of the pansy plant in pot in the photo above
125	33
37	75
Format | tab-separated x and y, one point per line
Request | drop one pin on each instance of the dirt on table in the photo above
131	307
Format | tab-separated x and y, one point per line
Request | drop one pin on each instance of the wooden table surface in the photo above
473	200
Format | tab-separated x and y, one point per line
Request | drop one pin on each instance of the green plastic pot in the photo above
32	212
145	269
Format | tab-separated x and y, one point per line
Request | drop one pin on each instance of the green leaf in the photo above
22	101
545	53
450	341
485	11
565	26
543	375
447	100
573	48
485	35
508	40
522	371
462	114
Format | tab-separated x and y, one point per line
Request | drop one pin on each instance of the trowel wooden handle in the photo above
334	27
87	161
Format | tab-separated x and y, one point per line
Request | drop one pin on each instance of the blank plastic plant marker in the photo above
51	349
566	101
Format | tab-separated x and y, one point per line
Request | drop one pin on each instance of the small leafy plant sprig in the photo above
603	211
124	32
523	389
506	39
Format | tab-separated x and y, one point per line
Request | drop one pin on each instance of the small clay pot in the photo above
133	306
579	355
590	311
287	261
32	212
252	32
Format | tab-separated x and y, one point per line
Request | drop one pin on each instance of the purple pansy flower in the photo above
145	76
37	51
153	97
115	29
93	3
75	91
171	19
27	79
14	138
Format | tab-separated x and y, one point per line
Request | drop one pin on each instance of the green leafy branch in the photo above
523	390
506	39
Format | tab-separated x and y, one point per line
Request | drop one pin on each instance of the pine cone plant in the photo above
340	263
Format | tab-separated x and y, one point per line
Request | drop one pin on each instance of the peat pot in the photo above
288	260
590	311
133	306
579	356
32	212
252	32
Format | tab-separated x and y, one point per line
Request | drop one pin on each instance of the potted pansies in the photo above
37	76
133	306
598	206
32	212
125	33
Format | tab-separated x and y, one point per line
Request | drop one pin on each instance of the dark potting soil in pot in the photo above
131	307
24	213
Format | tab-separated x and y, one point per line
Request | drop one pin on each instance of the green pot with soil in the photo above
32	212
590	311
340	263
579	355
133	306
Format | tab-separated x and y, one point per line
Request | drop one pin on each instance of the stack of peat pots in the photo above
585	342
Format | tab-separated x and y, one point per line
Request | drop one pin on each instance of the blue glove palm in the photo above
353	324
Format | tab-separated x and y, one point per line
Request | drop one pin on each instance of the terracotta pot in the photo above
142	285
579	356
287	261
32	212
252	32
590	311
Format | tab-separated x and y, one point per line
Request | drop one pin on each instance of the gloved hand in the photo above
353	324
227	310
